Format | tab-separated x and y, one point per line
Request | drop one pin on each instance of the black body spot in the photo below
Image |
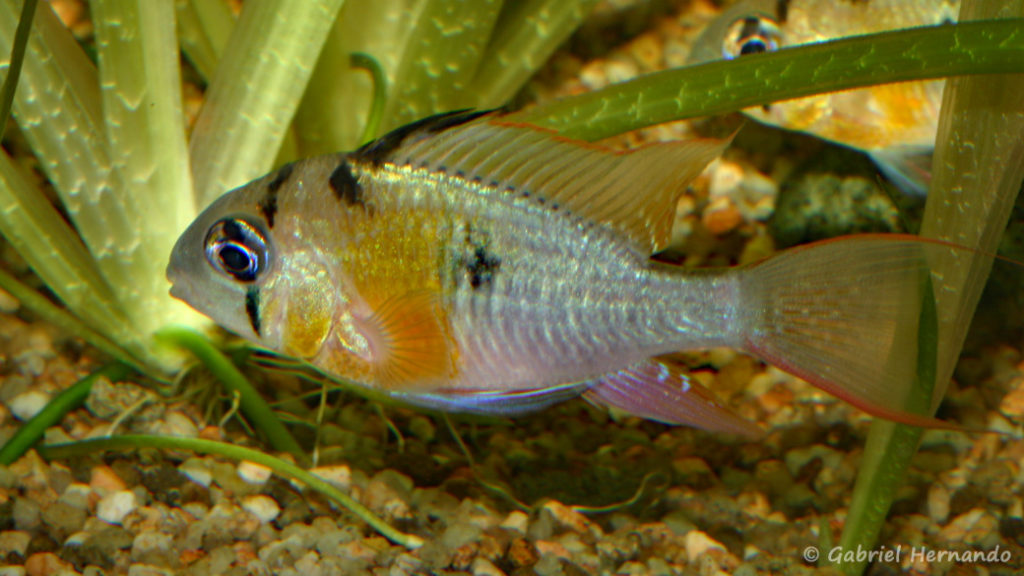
268	204
345	185
482	268
478	263
252	308
380	150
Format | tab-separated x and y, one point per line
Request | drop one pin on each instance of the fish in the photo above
469	263
894	124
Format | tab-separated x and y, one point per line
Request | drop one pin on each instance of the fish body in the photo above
895	124
468	264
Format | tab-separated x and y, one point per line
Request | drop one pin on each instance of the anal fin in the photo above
660	391
494	403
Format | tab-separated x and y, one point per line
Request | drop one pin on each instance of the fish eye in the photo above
751	35
237	248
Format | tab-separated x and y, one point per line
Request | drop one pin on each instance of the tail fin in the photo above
843	315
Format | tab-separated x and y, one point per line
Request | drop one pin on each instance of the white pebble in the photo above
253	473
699	543
484	567
197	470
113	507
28	404
517	521
263	507
338	476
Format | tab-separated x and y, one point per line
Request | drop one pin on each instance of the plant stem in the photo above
201	446
251	403
55	410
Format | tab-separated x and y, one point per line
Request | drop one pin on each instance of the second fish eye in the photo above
237	248
751	35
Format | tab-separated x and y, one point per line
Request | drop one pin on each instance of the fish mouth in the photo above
181	286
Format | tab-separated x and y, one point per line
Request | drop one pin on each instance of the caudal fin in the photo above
843	315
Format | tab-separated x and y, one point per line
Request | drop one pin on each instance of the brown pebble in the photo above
105	481
566	518
46	564
522	553
722	218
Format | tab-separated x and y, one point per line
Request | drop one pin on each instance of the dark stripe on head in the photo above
782	10
380	150
268	204
345	185
252	308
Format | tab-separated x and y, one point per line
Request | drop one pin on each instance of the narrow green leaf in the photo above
891	446
380	93
445	48
145	133
53	250
977	171
990	47
54	411
250	401
28	11
253	97
332	116
204	27
528	32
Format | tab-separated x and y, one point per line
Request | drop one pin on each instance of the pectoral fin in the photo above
411	342
659	391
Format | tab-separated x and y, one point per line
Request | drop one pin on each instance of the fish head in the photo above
252	271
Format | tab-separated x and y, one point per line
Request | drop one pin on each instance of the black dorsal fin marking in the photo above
379	151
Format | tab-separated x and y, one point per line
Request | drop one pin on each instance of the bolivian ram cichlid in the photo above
895	124
468	264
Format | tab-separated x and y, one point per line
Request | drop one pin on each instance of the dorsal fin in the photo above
633	191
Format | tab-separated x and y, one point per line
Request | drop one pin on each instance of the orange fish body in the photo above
468	264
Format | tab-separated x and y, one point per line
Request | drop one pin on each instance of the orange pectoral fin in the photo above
411	342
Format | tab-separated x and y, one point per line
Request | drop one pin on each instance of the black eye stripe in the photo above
232	231
238	249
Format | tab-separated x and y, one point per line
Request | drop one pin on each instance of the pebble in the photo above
339	476
938	503
484	567
197	470
26	514
721	216
14	542
154	548
177	425
46	564
516	521
113	507
27	404
1012	404
105	481
568	519
698	544
263	507
63	518
255	474
978	527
